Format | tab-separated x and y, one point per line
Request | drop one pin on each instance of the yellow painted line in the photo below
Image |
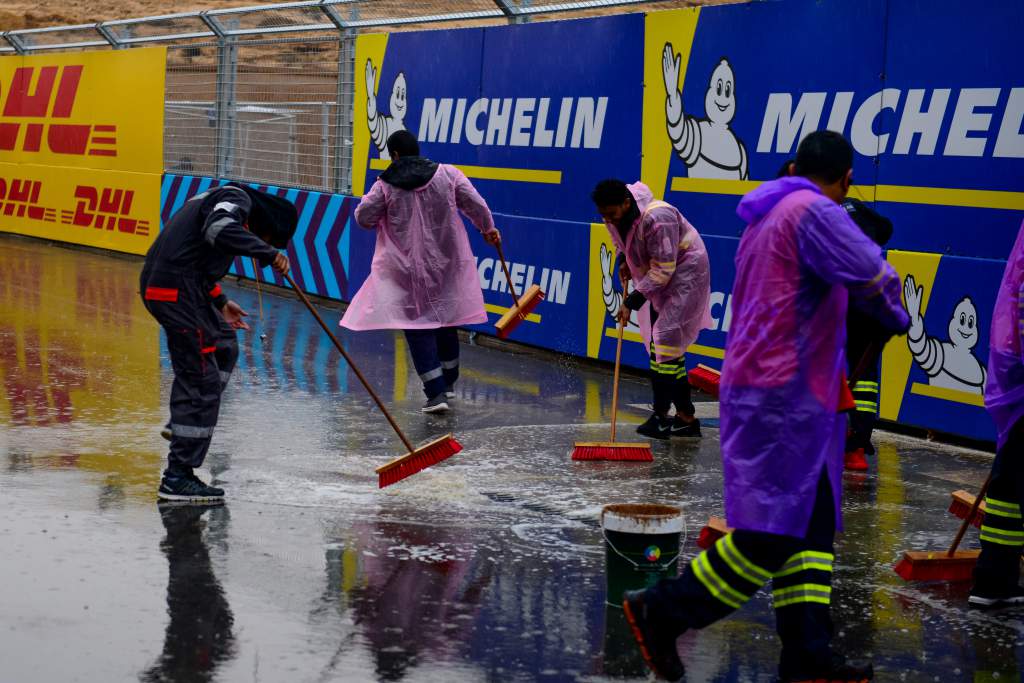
706	351
502	310
503	381
944	394
899	194
627	335
517	175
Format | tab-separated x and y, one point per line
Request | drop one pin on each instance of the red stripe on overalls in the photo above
161	294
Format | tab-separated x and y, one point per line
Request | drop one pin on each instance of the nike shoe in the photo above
656	427
855	461
438	404
658	650
685	429
188	488
985	598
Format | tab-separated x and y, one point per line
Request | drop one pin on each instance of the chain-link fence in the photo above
264	94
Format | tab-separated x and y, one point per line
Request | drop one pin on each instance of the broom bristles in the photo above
527	302
715	529
706	379
937	565
612	450
420	459
961	504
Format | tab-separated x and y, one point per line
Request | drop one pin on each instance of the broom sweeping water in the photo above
950	565
522	306
259	295
610	450
417	458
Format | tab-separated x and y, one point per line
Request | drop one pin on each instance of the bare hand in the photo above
233	315
280	263
493	238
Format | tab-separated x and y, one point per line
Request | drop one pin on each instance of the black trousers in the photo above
203	350
1002	532
669	383
862	419
435	355
724	577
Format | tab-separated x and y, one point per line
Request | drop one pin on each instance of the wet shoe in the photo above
658	651
656	427
438	404
188	489
839	671
983	598
855	461
166	431
685	429
449	394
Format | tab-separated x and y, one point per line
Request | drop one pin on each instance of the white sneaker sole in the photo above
178	498
439	408
995	602
449	394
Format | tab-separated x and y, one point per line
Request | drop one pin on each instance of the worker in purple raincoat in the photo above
423	277
799	261
668	264
997	576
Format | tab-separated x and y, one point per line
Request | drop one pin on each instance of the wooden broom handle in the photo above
511	287
615	382
970	517
348	359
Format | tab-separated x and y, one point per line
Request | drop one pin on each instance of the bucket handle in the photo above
666	565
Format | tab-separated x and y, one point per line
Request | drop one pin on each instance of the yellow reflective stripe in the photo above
805	592
866	386
760	575
992	510
667	349
809	559
714	583
991	502
866	406
1002	536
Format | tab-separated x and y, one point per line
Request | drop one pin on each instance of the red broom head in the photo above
707	537
937	566
706	379
633	452
420	459
961	504
516	314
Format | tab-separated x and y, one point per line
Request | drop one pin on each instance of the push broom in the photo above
521	308
961	504
612	450
949	565
417	458
259	296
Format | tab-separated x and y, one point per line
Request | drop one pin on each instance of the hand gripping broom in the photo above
950	565
522	306
417	458
612	450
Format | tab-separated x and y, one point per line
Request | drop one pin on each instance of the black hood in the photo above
409	173
873	224
271	215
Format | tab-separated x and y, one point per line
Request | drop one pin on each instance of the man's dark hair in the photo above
404	144
610	192
784	171
824	155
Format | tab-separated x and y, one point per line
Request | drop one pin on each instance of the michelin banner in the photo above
81	147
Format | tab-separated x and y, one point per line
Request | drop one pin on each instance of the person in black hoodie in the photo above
179	287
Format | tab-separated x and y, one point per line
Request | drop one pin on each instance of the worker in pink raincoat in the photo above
423	277
997	576
668	264
799	261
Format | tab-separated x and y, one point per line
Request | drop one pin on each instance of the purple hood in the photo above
756	204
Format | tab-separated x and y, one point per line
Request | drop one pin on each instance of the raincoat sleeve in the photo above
838	252
1020	319
372	207
662	241
469	202
224	227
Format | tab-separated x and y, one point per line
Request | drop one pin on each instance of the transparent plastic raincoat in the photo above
799	261
1004	393
669	266
423	274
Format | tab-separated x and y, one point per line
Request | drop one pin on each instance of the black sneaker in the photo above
656	427
986	598
188	488
658	650
685	429
166	431
839	671
438	404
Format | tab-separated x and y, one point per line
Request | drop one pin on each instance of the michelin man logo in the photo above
613	299
951	364
708	146
382	125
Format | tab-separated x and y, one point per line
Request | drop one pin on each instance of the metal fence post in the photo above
346	101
